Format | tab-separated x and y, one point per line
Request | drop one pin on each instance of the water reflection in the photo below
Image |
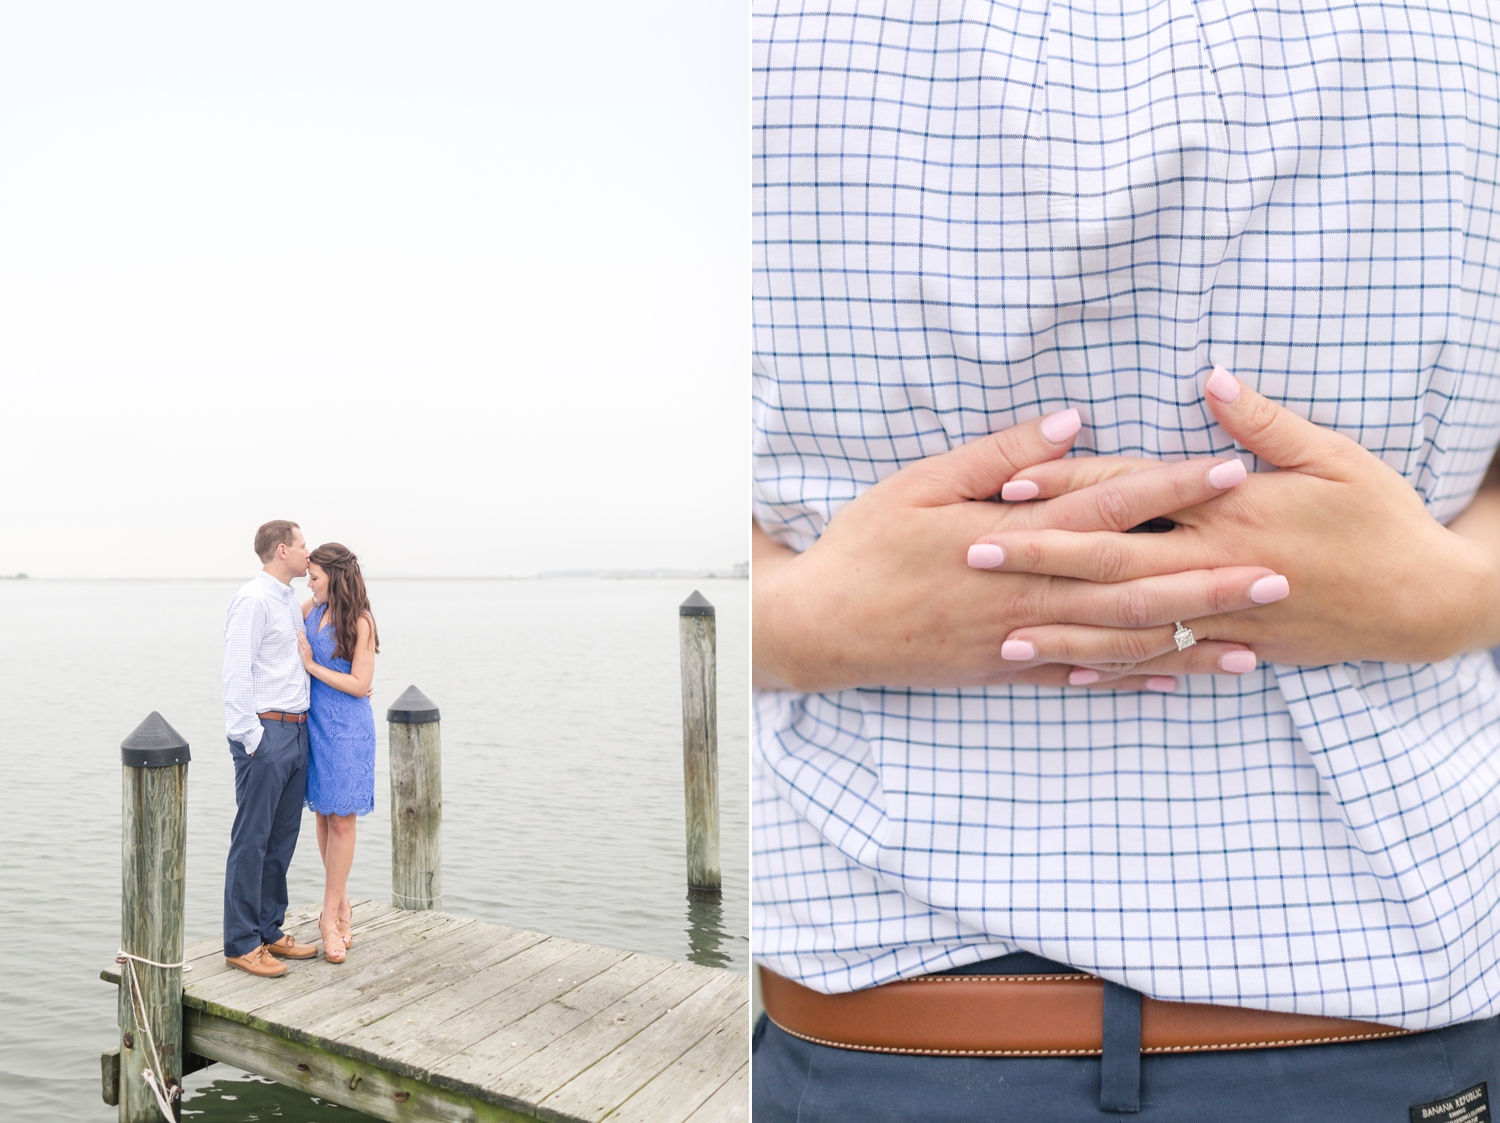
706	935
225	1094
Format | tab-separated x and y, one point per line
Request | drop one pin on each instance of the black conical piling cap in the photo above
695	605
412	708
154	744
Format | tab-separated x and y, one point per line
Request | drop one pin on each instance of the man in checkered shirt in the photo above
265	719
1100	260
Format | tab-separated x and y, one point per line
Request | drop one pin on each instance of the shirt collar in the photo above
275	584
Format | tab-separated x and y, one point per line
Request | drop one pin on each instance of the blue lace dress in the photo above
341	732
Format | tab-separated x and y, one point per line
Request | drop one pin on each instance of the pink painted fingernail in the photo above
1238	662
983	555
1017	491
1223	385
1082	676
1017	650
1058	427
1270	589
1227	474
1162	684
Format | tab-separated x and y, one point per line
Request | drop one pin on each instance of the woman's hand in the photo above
1372	575
883	597
305	650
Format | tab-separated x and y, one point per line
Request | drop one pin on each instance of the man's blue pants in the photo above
269	787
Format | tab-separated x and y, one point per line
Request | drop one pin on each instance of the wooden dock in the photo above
433	1017
439	1017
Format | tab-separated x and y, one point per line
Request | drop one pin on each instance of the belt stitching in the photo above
941	1052
1210	1048
1069	978
1272	1044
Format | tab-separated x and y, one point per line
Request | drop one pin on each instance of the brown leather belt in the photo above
1029	1016
277	715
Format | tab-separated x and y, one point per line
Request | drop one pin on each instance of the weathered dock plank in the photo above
526	1083
237	990
491	1001
482	1067
602	1087
730	1104
398	959
446	1018
417	984
320	1072
218	985
675	1093
508	1029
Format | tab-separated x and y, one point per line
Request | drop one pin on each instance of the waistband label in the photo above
1472	1105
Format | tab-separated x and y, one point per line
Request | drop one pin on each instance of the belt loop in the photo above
1120	1066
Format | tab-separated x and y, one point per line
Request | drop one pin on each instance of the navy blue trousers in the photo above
269	787
795	1081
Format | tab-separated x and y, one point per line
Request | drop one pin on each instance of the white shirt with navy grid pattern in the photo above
262	666
968	214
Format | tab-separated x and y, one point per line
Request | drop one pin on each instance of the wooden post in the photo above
416	803
153	860
700	741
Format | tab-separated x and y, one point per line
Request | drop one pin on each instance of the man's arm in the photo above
884	597
244	627
767	558
1480	523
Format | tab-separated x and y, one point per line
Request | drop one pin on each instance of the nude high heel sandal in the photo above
333	944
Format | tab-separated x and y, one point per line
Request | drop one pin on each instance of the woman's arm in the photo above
883	598
307	606
362	666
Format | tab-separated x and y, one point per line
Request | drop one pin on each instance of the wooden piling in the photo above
416	802
697	634
153	860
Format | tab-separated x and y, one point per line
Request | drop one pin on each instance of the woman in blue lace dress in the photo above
339	651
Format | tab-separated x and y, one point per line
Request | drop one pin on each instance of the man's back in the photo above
971	214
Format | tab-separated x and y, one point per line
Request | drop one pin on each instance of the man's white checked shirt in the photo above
262	668
968	214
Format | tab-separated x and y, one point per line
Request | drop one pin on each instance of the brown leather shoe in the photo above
288	948
257	962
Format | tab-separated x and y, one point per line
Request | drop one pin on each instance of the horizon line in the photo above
733	573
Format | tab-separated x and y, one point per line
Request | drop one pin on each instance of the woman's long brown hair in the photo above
347	599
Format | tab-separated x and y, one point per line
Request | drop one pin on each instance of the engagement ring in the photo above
1184	636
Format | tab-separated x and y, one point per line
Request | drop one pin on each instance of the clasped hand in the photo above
1373	575
1333	557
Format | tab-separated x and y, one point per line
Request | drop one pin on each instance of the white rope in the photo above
122	956
418	902
164	1096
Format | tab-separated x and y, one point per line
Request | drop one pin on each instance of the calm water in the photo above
562	789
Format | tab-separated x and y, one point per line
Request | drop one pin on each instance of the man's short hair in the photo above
277	532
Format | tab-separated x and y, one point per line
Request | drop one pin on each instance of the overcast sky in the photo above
461	285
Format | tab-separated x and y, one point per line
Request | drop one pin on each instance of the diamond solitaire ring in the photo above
1184	636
